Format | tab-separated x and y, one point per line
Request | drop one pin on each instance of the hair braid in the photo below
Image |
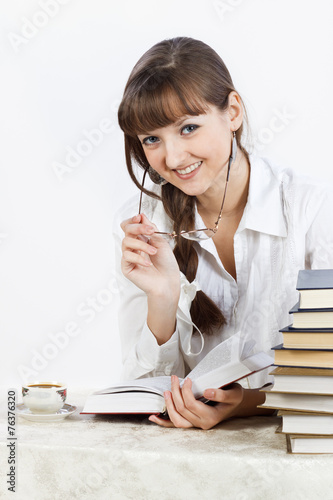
180	208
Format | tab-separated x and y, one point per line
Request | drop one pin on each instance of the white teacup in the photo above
44	397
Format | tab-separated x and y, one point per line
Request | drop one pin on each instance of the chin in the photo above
192	189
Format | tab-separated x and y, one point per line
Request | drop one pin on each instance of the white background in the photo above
65	77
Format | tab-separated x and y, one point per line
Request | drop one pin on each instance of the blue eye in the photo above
190	128
150	140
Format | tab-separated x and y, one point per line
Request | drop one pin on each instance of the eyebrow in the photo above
182	120
176	124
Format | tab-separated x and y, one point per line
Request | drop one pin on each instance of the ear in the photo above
235	111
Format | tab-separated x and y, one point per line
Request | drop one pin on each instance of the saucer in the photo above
64	412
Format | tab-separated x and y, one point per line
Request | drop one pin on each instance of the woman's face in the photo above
192	154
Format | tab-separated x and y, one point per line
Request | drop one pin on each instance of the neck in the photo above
209	204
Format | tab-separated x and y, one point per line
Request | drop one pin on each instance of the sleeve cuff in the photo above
154	355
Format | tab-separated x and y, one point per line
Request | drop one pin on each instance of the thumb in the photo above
227	395
145	220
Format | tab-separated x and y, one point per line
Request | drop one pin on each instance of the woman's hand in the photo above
148	260
185	411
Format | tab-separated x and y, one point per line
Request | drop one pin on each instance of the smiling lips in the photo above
189	169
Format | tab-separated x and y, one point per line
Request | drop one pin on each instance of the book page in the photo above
223	354
226	364
155	385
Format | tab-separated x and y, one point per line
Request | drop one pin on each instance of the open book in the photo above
222	366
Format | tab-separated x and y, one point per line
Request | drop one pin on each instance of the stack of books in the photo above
303	373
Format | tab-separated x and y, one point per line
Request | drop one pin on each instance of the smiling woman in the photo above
183	120
174	118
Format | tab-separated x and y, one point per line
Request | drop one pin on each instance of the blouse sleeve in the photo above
141	354
319	237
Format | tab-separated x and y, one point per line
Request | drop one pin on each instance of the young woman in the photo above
218	240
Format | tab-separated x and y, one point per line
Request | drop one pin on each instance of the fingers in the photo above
185	411
135	245
134	229
232	395
176	407
133	220
138	245
177	414
160	421
137	225
131	259
176	420
184	400
145	220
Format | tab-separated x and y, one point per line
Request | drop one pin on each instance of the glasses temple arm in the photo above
141	192
224	194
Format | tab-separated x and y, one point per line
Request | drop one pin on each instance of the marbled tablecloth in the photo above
118	457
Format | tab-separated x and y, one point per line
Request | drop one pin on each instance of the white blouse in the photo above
286	226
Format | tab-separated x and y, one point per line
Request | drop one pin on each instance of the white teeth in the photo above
190	168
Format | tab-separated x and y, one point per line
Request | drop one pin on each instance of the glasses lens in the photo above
203	234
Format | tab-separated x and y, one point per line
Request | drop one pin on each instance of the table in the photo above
126	457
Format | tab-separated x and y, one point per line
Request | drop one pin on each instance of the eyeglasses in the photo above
195	234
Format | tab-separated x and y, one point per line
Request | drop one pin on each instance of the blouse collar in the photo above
264	211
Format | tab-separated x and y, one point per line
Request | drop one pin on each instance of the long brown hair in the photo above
176	77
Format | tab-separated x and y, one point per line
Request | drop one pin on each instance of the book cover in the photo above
316	358
290	329
309	279
301	371
309	444
315	288
312	318
281	347
301	402
297	309
295	422
307	338
303	380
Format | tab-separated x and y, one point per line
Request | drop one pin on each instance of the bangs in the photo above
158	104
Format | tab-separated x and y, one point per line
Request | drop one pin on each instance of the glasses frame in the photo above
214	230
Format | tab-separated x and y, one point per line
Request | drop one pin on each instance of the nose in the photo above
175	154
